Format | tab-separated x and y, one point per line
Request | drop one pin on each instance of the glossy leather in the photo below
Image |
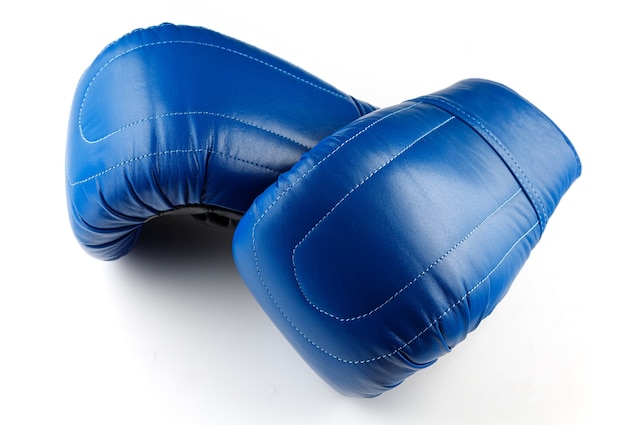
387	243
180	119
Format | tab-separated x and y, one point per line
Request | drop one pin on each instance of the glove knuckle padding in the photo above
388	242
174	116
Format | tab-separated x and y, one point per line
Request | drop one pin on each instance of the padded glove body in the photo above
179	119
387	243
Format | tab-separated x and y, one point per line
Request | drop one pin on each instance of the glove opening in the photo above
207	214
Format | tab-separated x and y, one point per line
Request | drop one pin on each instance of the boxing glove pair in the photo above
374	239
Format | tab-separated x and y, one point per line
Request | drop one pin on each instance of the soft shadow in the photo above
187	317
189	320
182	239
183	247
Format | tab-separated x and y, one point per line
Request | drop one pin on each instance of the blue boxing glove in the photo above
183	120
388	242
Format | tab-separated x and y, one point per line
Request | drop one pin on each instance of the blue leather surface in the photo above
389	241
179	118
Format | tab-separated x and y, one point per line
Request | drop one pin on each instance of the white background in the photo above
170	335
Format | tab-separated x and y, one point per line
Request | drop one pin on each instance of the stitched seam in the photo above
215	46
285	191
511	157
423	331
439	318
419	276
362	182
316	165
175	114
170	152
448	310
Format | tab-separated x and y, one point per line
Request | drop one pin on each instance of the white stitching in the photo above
170	152
410	283
244	55
288	188
445	313
423	331
511	157
389	161
206	113
307	172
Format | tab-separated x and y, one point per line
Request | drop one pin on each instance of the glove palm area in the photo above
180	119
386	244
